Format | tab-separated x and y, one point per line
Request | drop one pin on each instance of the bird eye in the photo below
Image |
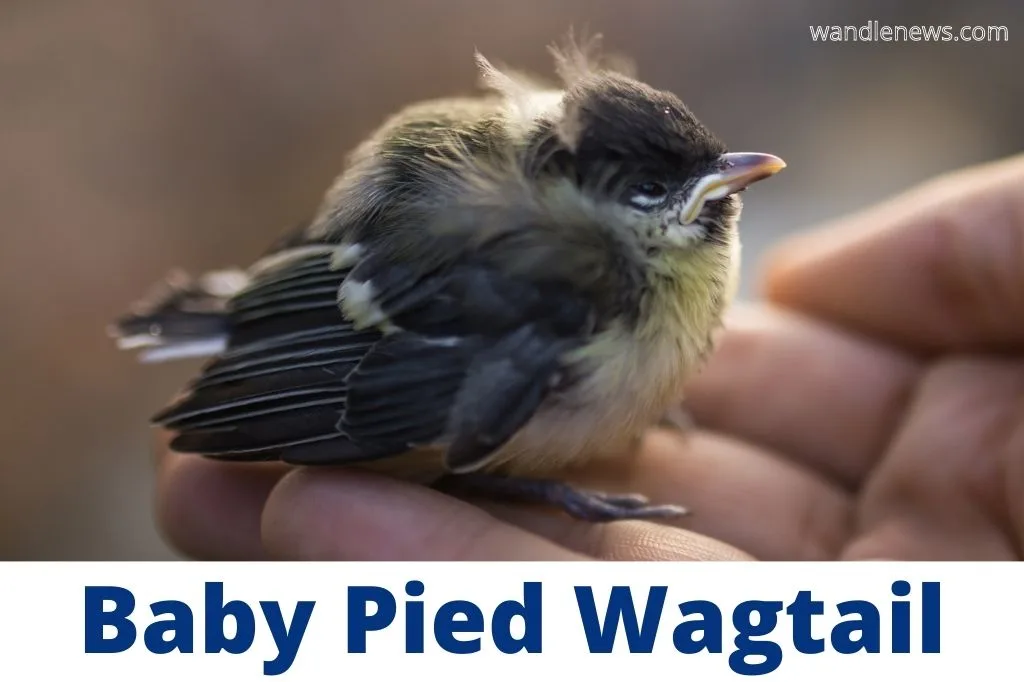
648	194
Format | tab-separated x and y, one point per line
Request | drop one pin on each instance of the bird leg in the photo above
585	505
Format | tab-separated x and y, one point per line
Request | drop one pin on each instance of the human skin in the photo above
871	408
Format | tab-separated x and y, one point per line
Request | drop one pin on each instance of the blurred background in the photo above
141	135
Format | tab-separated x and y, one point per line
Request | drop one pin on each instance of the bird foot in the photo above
585	505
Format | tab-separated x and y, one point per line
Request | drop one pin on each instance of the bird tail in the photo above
182	317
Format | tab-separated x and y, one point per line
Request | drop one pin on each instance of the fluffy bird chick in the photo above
494	290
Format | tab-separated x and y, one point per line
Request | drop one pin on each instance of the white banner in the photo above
530	621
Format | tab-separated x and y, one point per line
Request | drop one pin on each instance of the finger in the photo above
952	485
738	493
211	510
828	399
330	515
620	540
938	268
161	448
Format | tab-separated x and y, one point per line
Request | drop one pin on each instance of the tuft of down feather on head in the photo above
530	100
527	99
579	58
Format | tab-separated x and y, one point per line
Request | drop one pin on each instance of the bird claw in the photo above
584	505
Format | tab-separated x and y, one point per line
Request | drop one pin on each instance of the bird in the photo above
496	288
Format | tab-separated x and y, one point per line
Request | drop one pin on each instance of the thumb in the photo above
939	268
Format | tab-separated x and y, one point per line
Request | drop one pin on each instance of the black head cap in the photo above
615	125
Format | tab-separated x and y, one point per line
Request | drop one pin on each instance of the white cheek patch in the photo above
685	235
693	233
679	233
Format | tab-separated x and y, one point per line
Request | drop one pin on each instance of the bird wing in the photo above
459	356
471	355
277	390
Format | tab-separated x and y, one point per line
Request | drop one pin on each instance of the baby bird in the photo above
495	289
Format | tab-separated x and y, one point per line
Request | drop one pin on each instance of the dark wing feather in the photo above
278	390
181	317
505	384
477	355
402	392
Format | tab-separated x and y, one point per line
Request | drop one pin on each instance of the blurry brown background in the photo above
140	135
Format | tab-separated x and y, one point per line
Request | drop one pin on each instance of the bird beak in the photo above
732	173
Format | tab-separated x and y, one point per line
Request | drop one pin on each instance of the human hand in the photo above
938	272
854	434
